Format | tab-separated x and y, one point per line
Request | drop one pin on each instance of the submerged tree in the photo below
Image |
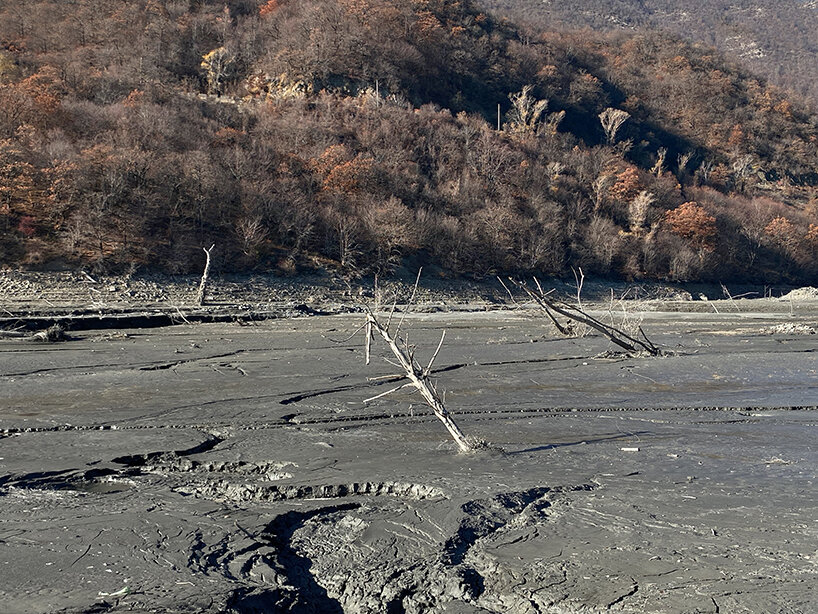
414	371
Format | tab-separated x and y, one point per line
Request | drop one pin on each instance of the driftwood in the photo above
417	374
552	306
51	334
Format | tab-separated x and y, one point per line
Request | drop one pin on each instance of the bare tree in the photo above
216	65
705	169
638	210
684	160
600	187
742	168
418	375
251	232
553	120
659	167
612	120
200	295
526	111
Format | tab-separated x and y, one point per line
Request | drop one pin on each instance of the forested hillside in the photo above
353	134
774	38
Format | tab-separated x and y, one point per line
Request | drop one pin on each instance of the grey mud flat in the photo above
227	468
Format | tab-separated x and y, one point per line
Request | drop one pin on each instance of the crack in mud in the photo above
171	365
630	593
157	462
40	479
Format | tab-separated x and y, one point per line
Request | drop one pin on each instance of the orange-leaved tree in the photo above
691	222
270	7
781	232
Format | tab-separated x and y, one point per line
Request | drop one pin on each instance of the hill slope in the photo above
776	39
357	134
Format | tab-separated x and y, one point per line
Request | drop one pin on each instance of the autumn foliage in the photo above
693	223
270	7
360	135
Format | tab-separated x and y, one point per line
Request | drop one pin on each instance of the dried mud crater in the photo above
219	467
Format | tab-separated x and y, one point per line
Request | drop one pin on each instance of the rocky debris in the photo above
31	291
790	328
807	293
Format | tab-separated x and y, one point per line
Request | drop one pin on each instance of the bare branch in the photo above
579	282
511	296
368	342
345	339
392	311
411	301
383	394
540	299
393	363
434	356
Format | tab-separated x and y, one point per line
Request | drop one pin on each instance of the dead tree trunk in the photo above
619	337
417	375
200	295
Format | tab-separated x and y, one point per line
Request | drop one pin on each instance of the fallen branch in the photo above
551	306
51	334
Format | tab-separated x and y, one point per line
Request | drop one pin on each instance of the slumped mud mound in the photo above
230	468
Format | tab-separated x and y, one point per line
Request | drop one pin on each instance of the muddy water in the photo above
219	467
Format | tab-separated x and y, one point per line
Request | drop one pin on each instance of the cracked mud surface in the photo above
225	468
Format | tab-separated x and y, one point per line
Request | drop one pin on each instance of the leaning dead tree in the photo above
200	295
552	306
414	371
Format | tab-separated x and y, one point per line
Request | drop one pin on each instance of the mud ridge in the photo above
266	471
483	518
142	460
222	490
416	415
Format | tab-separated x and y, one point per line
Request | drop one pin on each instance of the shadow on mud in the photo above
553	446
